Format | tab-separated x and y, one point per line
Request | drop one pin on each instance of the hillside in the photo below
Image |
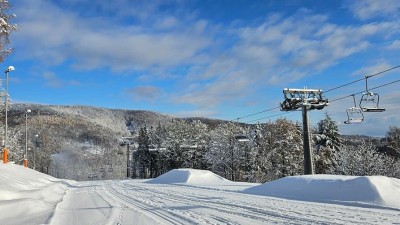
81	135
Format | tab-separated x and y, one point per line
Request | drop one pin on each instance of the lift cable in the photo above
337	99
280	114
368	76
239	118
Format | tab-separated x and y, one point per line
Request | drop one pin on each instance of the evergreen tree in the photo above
144	158
327	141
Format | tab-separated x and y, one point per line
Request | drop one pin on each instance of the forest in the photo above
84	143
270	151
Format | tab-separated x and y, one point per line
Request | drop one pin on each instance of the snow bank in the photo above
375	190
190	176
27	196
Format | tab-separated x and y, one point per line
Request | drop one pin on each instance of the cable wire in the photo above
280	114
368	76
343	85
239	118
383	85
337	99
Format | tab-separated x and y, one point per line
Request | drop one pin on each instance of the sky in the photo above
216	59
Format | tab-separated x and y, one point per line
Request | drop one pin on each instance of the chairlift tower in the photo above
305	100
127	141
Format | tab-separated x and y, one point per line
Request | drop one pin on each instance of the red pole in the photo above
5	155
25	163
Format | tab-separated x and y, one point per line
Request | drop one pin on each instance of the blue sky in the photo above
216	59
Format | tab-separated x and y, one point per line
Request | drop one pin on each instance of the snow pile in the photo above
190	176
27	196
375	190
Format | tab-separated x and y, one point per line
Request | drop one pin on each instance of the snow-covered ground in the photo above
188	196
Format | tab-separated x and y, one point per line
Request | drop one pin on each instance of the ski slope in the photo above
188	196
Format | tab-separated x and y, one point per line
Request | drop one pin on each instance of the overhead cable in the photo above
343	85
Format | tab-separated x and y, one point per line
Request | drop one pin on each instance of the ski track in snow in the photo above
136	202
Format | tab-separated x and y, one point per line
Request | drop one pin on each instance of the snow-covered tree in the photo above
176	138
327	141
143	153
196	143
393	139
363	159
225	153
248	163
5	28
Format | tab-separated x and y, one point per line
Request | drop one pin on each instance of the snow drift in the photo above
374	190
27	194
190	176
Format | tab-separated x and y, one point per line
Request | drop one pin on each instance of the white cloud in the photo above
280	50
145	93
395	45
58	35
51	80
374	69
368	9
208	63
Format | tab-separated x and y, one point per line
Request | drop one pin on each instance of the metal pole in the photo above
26	135
308	166
127	162
26	138
6	103
34	151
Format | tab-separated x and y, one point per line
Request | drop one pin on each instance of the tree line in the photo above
273	150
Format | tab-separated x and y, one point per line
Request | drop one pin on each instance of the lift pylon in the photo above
304	99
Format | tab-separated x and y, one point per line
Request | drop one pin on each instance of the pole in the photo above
232	156
26	138
128	172
308	166
6	103
34	151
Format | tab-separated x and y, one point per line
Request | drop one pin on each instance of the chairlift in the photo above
241	138
152	147
110	169
354	114
369	101
102	170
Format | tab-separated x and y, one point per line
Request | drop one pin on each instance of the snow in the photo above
374	190
26	194
188	196
190	176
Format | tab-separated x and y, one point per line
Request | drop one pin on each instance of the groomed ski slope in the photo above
188	196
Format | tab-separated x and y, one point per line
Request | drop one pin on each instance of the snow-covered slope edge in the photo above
371	190
27	196
190	176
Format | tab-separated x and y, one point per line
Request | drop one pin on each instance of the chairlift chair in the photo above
369	101
354	114
241	138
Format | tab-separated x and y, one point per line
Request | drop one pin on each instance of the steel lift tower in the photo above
305	100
